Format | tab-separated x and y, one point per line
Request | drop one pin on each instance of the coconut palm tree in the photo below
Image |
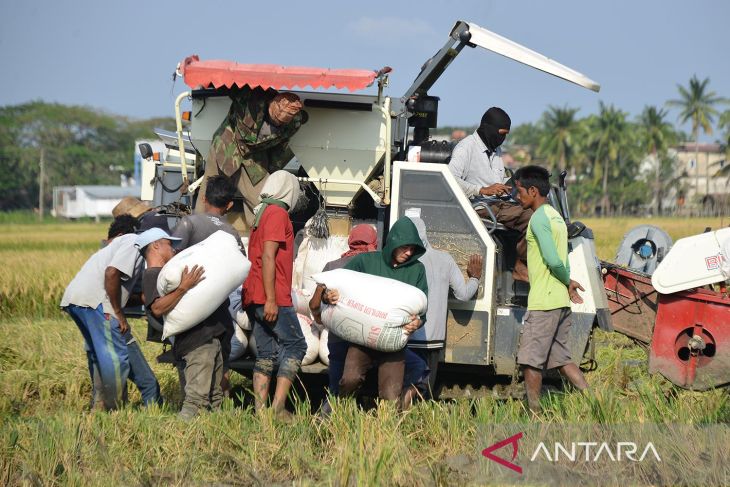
556	143
698	105
655	136
610	144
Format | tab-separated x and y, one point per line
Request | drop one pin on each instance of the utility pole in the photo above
41	177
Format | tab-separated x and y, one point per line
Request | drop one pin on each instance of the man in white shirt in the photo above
95	299
477	165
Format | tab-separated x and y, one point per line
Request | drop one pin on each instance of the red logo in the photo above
713	262
488	452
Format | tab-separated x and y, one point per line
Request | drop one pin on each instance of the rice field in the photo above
48	436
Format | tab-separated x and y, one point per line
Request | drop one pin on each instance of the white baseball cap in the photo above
153	235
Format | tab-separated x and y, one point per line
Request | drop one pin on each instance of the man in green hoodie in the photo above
398	260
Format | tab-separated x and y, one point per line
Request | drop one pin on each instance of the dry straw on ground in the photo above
48	436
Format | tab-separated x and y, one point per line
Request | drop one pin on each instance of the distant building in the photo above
89	201
703	188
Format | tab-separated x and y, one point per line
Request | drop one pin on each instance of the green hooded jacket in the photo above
412	272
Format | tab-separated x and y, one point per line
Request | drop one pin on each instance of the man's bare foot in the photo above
226	384
284	416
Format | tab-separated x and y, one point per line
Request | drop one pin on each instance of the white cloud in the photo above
389	28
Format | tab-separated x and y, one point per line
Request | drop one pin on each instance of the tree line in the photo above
79	144
618	165
604	153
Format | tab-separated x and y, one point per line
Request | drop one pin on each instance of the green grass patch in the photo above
48	435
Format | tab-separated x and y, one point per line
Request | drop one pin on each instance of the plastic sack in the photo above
371	310
324	351
239	344
313	254
252	346
242	320
300	299
311	336
225	269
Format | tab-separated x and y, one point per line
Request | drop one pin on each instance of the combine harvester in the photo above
676	311
352	152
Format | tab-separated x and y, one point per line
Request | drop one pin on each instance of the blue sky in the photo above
119	56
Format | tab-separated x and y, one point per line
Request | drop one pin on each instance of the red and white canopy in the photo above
218	74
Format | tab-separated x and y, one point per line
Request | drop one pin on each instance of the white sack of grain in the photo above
225	269
300	299
239	343
313	254
324	351
311	335
371	310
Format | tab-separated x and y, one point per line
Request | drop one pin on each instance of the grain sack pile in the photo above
225	269
313	254
372	310
300	299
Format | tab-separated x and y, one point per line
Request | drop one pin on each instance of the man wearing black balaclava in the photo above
476	163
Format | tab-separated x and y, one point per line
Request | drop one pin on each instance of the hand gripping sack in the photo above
371	310
225	269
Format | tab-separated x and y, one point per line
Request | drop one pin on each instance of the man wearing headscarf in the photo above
267	298
363	238
477	165
252	142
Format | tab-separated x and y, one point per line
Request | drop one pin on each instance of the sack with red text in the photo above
372	310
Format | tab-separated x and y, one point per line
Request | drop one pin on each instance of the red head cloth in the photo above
363	238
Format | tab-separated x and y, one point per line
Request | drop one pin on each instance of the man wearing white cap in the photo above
200	346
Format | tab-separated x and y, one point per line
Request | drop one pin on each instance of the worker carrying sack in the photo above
225	269
371	310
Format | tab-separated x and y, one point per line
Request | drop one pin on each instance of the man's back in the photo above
193	229
442	273
87	287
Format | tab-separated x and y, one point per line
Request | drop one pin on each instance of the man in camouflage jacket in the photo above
253	141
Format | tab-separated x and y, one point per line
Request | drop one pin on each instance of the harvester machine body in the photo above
681	312
352	150
486	329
